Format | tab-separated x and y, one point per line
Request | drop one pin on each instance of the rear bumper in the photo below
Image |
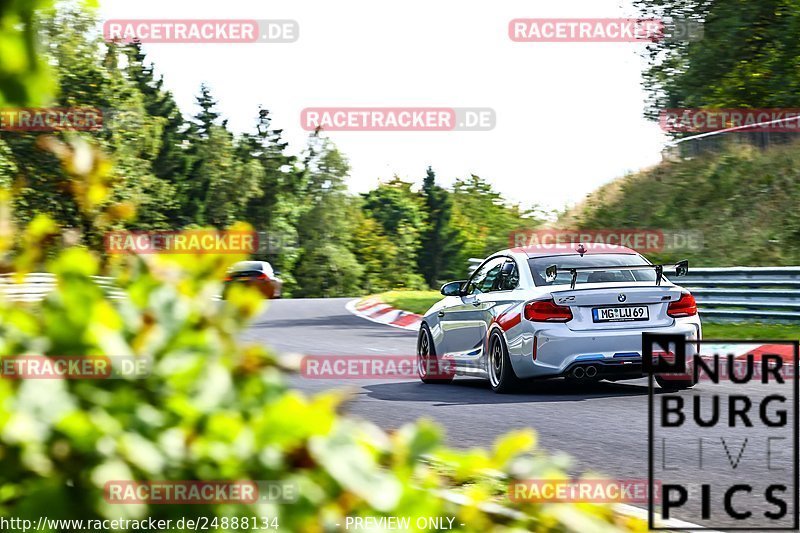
612	353
606	369
269	289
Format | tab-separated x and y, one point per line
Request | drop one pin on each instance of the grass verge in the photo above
413	301
752	330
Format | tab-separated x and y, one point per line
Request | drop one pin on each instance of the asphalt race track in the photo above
602	426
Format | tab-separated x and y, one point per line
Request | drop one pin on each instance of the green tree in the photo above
207	116
439	240
25	75
485	220
172	162
231	181
281	182
90	79
399	211
275	211
376	254
325	264
204	191
749	55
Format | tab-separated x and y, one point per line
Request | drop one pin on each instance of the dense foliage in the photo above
743	201
182	172
210	409
207	407
748	55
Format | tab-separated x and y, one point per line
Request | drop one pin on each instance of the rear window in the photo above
245	273
247	265
539	265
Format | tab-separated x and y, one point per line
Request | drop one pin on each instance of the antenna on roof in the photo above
581	249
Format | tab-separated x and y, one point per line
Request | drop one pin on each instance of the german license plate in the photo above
620	314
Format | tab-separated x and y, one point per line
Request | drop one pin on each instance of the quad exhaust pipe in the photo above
578	372
591	371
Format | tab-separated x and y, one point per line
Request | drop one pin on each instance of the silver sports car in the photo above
573	311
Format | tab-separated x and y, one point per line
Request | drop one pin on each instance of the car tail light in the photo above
547	311
228	278
685	306
262	277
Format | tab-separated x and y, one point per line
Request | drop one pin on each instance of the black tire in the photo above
675	384
429	367
498	365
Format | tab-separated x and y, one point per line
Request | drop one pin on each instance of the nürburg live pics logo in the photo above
725	451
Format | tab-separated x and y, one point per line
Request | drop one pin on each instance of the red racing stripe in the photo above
506	322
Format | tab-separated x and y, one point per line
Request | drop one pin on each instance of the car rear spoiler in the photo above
681	268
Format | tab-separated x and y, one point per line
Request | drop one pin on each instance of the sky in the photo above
568	115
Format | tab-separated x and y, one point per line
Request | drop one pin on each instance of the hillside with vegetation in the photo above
744	201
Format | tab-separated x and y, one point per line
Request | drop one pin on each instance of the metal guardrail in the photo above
35	286
746	294
473	264
763	294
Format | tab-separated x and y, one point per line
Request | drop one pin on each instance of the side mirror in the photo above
551	273
452	289
682	268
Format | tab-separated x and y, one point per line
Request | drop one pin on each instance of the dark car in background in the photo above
257	274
